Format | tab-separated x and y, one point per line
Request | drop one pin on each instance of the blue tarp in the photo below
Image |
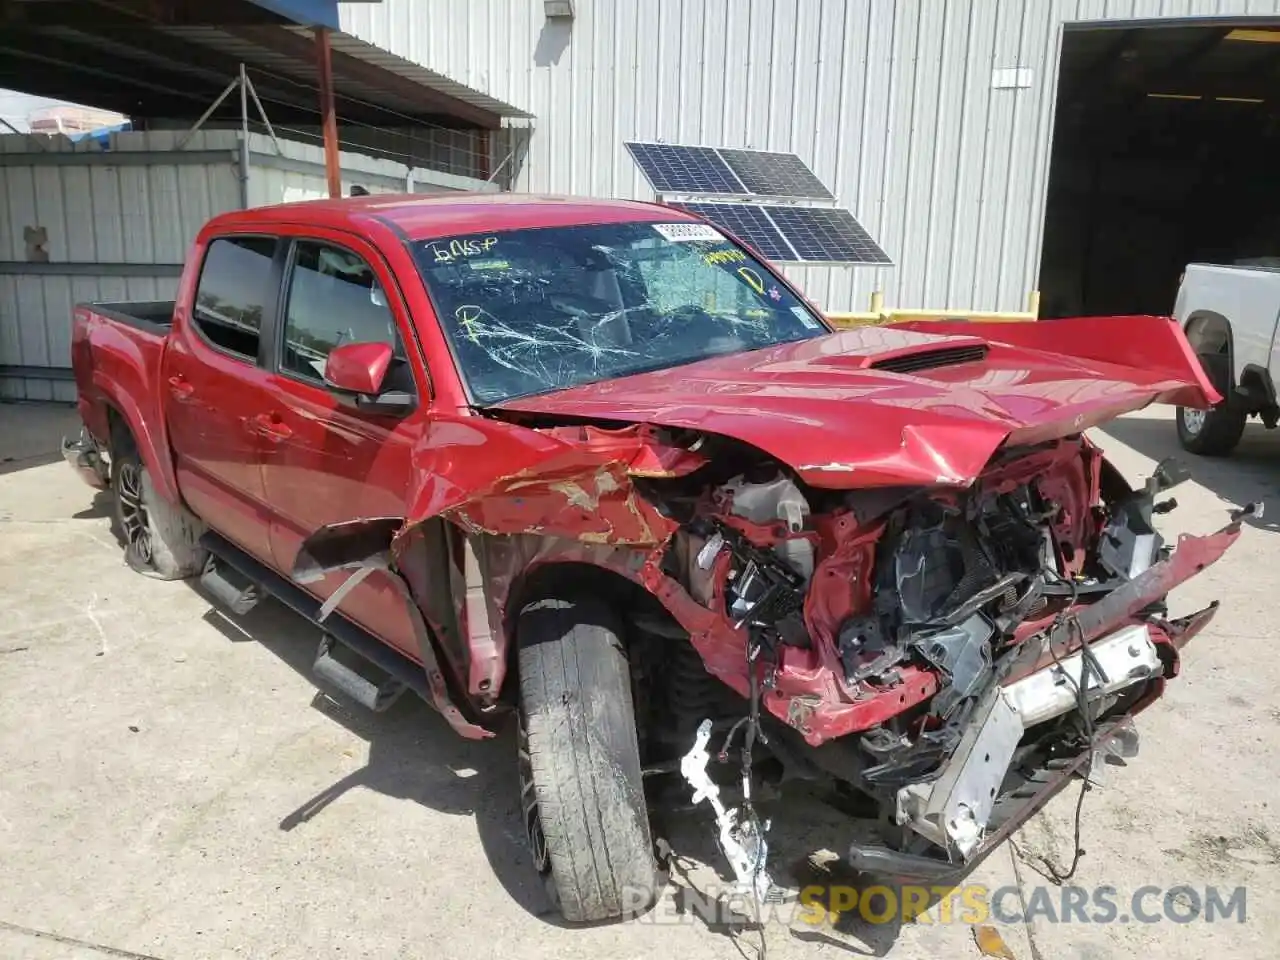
101	134
309	13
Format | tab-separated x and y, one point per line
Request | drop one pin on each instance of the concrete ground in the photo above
171	785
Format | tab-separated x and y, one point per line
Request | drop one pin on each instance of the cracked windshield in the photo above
529	311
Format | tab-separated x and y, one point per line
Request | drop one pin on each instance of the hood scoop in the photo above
915	361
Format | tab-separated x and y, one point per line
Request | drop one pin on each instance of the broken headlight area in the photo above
937	651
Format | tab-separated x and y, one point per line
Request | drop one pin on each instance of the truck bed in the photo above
116	349
153	316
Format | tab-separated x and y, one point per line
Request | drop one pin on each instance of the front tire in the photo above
1211	433
581	783
161	539
1216	431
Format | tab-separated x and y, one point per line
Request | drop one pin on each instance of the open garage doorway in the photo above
1166	150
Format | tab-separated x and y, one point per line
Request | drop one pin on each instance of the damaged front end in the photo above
949	655
945	657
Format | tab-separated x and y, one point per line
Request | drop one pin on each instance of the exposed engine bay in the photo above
945	634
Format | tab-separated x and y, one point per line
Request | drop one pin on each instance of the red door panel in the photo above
334	466
324	462
216	388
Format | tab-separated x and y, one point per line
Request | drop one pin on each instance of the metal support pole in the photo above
485	158
329	119
244	140
266	122
207	114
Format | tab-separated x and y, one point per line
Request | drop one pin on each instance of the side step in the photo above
229	586
350	636
368	693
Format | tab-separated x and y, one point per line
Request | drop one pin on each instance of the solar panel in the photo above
671	168
747	222
774	174
826	234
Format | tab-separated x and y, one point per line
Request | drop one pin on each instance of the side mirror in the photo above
357	371
358	368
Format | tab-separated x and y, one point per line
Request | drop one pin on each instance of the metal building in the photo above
1085	149
931	120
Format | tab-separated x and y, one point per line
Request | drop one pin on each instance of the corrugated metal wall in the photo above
96	217
118	225
890	101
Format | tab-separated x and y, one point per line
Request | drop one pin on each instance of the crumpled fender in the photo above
572	482
362	546
569	488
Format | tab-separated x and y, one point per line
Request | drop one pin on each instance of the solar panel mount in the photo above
794	234
767	174
827	235
678	169
673	168
748	222
766	198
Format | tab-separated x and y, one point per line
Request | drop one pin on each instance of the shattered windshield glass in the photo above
534	310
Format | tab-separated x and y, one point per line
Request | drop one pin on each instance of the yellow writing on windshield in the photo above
752	278
725	256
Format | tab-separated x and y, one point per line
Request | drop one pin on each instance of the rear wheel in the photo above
161	539
582	793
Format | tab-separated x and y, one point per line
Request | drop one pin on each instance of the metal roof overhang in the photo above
170	59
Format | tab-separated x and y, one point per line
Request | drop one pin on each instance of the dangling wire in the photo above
1088	663
748	741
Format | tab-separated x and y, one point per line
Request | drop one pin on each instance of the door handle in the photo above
270	425
180	388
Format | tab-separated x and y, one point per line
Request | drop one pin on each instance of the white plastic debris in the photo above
745	849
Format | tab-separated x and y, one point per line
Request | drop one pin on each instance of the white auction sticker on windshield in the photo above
687	232
805	317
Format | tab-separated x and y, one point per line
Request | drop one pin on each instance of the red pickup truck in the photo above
597	466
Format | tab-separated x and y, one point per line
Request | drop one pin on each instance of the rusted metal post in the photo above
328	116
245	158
485	159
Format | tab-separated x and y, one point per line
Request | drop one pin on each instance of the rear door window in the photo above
233	294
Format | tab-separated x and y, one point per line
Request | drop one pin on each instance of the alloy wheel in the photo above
133	512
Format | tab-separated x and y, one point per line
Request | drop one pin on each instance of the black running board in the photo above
390	661
375	695
229	586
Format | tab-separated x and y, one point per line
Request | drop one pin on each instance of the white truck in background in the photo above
1230	314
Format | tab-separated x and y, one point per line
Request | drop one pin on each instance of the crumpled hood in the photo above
822	407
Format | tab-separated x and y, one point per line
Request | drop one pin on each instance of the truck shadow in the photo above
1252	472
102	505
414	755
